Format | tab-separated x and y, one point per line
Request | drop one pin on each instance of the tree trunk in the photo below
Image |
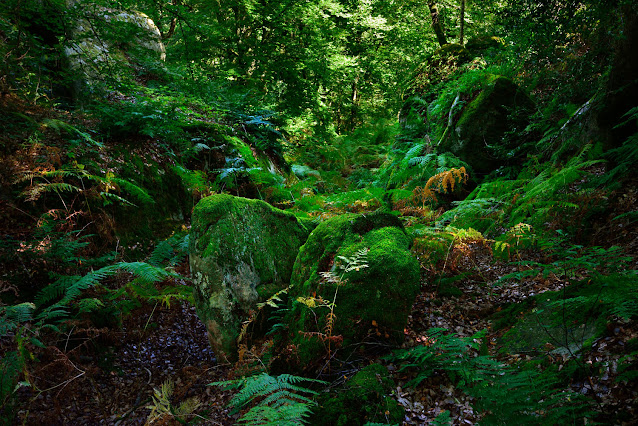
437	23
462	23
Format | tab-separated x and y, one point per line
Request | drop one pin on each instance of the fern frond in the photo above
134	190
107	196
89	305
12	316
170	251
34	192
287	415
276	396
70	288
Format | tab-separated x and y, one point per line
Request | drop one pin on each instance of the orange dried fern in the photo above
440	183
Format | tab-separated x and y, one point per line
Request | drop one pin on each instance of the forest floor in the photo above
468	313
108	375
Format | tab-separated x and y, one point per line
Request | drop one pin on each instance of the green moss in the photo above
244	150
477	45
478	138
363	399
241	251
373	301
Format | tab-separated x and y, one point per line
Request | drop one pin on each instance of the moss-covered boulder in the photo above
354	280
480	44
241	252
364	399
479	134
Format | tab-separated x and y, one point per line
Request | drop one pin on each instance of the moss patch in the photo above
477	45
371	303
479	132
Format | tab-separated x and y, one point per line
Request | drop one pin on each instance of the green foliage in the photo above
170	251
534	201
415	167
504	393
624	157
48	181
279	400
54	299
12	316
11	365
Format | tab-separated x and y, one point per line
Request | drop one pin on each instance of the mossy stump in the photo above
241	252
366	304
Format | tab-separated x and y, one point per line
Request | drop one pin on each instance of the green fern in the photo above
76	171
414	168
170	251
288	415
12	316
69	288
279	400
504	394
11	365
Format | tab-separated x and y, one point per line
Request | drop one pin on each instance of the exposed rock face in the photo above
369	302
241	252
109	42
478	139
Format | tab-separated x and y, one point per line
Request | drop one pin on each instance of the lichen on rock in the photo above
241	252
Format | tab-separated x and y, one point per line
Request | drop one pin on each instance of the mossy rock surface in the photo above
370	303
479	134
241	252
477	45
364	399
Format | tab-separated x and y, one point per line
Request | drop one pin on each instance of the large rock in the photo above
109	42
371	303
481	44
241	252
479	134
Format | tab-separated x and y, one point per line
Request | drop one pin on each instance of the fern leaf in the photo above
12	316
281	400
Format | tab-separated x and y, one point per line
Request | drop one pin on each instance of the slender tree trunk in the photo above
437	22
462	22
